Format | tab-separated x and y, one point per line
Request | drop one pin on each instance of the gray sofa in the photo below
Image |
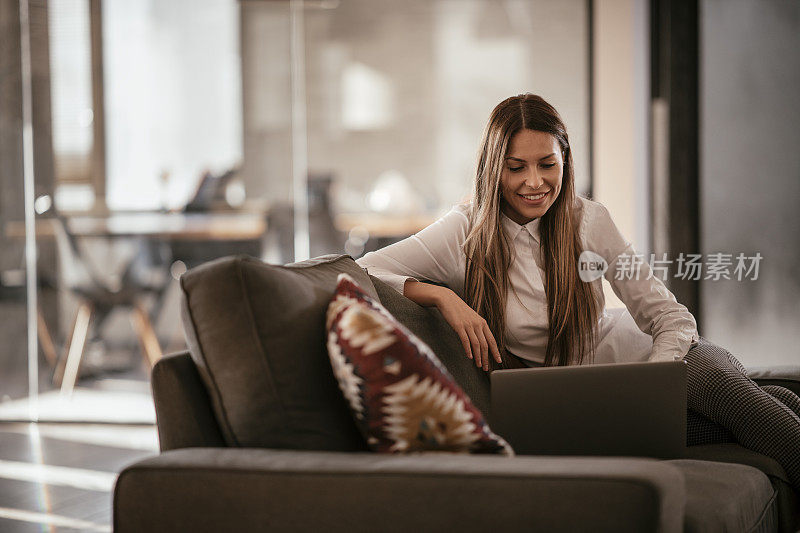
255	436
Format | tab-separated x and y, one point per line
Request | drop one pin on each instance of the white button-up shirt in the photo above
652	327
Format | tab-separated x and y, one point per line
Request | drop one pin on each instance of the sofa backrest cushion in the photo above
428	324
257	335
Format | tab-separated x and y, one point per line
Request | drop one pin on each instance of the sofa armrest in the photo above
246	489
786	376
183	409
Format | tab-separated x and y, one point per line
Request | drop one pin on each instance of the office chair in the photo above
98	297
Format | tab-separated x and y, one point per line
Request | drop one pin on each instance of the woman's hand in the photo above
476	337
472	329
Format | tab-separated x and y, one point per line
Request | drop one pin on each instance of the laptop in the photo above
622	409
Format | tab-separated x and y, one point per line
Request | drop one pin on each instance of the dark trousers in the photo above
727	406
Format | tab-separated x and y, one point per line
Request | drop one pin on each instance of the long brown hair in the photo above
572	306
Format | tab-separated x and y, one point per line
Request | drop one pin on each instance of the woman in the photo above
508	280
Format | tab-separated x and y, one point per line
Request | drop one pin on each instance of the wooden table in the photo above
156	225
381	226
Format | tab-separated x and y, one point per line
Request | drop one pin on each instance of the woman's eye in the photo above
515	169
548	165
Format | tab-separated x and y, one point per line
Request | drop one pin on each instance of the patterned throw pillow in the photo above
402	397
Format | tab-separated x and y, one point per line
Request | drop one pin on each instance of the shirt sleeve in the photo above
653	307
432	254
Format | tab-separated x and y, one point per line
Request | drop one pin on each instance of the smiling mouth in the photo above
534	197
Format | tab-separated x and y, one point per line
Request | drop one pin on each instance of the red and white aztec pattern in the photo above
402	397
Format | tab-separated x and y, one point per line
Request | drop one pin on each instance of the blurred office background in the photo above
141	138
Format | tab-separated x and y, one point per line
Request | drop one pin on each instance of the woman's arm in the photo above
435	254
425	294
654	308
432	254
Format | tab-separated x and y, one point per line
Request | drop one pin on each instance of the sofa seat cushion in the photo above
734	453
402	398
726	497
257	335
788	504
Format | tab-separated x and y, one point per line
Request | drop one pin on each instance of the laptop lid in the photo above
628	409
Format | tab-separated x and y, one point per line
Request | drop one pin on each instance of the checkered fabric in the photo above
719	393
701	430
785	396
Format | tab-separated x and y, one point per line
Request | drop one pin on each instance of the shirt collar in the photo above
513	228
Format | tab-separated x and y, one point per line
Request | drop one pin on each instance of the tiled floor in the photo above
60	477
85	404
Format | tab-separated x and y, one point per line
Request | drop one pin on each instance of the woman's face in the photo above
531	178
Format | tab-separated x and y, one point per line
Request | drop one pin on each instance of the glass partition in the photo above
167	134
128	175
394	99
